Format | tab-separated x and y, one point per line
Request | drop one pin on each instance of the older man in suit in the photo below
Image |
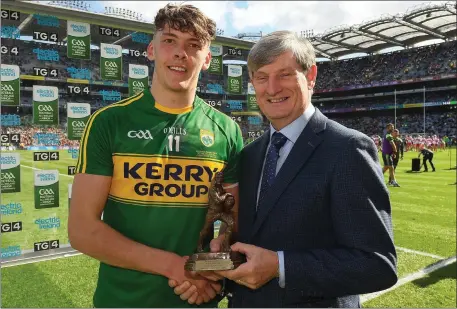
314	212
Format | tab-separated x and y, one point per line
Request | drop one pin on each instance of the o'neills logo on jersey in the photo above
163	180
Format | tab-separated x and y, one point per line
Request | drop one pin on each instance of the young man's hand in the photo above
191	286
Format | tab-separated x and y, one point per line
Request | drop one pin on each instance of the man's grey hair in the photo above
269	47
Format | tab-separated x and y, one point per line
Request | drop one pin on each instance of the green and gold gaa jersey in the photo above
161	162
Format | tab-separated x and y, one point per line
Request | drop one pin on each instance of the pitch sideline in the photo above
411	277
40	169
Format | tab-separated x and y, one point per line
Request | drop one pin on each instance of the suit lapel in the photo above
256	157
305	145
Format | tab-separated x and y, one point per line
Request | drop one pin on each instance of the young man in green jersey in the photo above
146	163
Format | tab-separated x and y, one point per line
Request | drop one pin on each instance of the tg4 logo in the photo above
46	156
46	245
11	227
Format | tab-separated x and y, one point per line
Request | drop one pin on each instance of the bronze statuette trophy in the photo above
219	208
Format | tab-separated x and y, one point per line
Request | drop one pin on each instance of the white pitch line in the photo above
420	253
411	277
43	259
40	169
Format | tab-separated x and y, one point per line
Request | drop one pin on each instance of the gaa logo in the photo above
45	191
140	134
138	84
7	176
252	99
234	82
6	87
110	64
45	108
78	124
78	42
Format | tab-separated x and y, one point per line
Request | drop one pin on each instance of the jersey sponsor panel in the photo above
162	180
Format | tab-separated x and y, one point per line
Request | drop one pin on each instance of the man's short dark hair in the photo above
186	18
389	124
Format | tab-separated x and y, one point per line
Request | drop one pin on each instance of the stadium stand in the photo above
400	65
363	93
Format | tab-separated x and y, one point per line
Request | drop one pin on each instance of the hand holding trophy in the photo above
220	207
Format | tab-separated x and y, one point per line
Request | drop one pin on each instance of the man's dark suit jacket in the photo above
328	210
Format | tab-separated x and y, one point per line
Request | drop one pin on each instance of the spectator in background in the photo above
427	156
388	154
400	147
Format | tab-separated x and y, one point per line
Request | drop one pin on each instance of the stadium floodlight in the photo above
307	33
79	5
123	13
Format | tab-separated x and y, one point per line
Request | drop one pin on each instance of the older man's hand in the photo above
262	266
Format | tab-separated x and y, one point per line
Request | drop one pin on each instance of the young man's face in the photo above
179	57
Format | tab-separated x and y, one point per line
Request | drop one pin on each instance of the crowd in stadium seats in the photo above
435	123
399	65
435	96
441	124
438	96
406	64
29	135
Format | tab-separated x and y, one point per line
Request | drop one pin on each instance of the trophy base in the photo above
214	261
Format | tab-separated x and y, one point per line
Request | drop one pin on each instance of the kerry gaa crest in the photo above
207	137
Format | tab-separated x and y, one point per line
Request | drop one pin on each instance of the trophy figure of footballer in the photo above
220	207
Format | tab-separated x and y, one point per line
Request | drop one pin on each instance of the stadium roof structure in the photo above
418	24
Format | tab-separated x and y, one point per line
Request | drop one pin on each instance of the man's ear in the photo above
311	76
150	50
207	61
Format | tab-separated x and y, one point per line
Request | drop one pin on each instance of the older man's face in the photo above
283	90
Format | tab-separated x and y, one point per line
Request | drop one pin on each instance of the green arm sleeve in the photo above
95	155
230	172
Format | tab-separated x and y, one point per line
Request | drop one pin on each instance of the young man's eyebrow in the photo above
175	36
170	34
